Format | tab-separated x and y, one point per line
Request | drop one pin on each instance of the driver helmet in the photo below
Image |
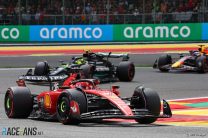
196	53
79	61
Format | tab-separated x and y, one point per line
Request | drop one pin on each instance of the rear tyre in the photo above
149	99
164	60
18	102
201	64
71	104
126	71
87	71
41	69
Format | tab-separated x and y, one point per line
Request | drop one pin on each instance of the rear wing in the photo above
113	55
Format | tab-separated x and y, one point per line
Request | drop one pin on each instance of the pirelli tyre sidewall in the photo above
125	71
70	105
149	99
41	69
164	60
18	102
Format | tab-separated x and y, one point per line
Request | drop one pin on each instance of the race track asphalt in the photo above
171	85
30	61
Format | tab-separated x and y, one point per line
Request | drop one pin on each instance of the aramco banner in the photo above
157	32
105	33
205	31
14	34
80	33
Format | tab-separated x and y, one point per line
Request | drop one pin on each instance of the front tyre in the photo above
164	60
18	102
71	104
148	99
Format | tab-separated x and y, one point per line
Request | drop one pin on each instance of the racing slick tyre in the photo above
146	99
18	102
201	64
87	71
126	71
41	69
164	60
71	104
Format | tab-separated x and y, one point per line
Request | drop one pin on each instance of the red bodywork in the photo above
52	96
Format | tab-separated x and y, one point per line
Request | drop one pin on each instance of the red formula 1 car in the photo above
77	100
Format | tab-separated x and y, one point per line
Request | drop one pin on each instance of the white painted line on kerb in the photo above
183	99
5	69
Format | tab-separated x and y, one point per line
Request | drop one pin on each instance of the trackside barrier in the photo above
105	33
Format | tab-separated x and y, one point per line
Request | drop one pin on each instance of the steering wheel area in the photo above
84	84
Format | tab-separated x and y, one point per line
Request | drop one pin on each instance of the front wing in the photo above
116	113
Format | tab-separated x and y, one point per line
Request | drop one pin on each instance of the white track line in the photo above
5	69
183	99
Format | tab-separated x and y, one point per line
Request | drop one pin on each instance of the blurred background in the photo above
71	12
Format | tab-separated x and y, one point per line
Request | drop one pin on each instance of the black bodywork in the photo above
93	65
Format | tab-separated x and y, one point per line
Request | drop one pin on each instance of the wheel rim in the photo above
9	105
63	109
63	106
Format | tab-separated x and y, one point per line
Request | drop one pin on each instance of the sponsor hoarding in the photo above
158	32
70	33
102	33
14	33
205	31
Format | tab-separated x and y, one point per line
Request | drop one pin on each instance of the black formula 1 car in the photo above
197	60
93	65
76	101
